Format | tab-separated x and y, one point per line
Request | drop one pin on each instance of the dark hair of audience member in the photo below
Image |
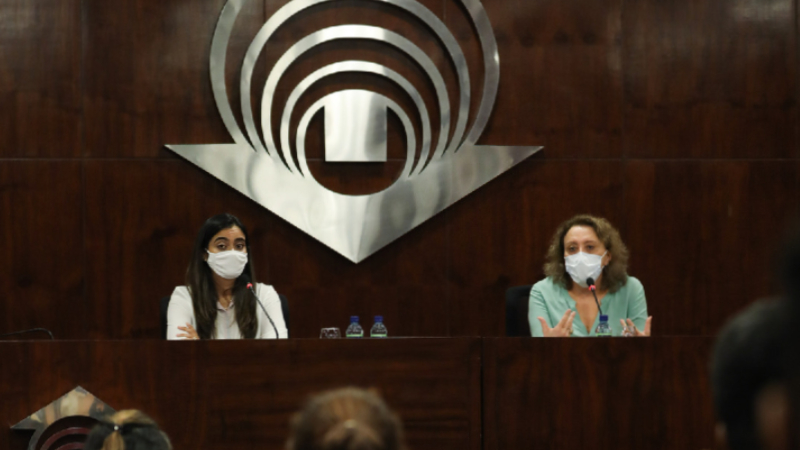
346	419
790	282
127	430
749	356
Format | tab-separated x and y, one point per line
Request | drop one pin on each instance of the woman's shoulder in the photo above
181	293
633	284
265	289
547	285
180	298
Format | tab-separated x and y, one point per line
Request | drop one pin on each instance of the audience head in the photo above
127	430
346	419
749	374
615	270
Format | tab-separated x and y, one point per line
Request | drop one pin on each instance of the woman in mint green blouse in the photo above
587	248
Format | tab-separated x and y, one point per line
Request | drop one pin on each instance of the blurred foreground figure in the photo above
128	430
790	277
749	375
346	419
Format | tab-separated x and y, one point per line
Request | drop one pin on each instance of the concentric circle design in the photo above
281	155
366	67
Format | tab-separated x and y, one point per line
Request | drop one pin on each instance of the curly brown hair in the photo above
615	274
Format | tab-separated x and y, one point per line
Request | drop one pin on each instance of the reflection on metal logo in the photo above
356	226
65	423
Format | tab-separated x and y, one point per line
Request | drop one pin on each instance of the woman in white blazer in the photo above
221	299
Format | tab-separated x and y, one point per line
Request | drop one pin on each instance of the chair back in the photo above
517	311
164	308
285	311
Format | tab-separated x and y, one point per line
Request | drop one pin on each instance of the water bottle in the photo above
378	329
603	330
354	330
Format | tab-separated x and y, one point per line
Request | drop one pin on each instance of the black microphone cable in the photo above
593	288
251	289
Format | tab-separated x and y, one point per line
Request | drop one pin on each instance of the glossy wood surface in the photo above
676	120
597	393
241	395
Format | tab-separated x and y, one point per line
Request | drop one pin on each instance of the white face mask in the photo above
581	266
229	264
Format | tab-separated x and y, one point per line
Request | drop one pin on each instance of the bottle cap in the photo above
603	318
378	318
353	319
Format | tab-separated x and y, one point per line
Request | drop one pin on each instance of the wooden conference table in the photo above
452	393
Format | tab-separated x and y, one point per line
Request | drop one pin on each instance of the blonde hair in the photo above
615	274
346	419
127	425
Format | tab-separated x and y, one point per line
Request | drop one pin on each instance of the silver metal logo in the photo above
356	226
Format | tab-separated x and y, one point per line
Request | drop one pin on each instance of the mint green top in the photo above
550	301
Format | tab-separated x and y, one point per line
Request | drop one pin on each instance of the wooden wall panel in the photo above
561	79
406	282
42	278
615	91
40	78
147	75
241	396
702	235
713	79
615	394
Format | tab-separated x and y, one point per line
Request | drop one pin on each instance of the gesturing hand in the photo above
635	331
188	332
562	329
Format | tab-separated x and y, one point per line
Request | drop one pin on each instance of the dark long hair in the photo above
200	282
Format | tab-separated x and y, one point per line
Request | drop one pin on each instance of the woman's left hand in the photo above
188	332
636	332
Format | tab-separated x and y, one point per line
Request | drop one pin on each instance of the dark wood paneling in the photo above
147	76
406	282
703	236
500	234
605	394
711	78
561	76
142	218
232	395
42	257
40	78
657	79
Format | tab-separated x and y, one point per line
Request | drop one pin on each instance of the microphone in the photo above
593	288
250	288
30	331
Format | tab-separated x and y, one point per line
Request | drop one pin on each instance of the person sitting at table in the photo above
128	429
587	248
221	299
346	419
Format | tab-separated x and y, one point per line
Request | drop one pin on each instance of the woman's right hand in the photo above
562	329
188	332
